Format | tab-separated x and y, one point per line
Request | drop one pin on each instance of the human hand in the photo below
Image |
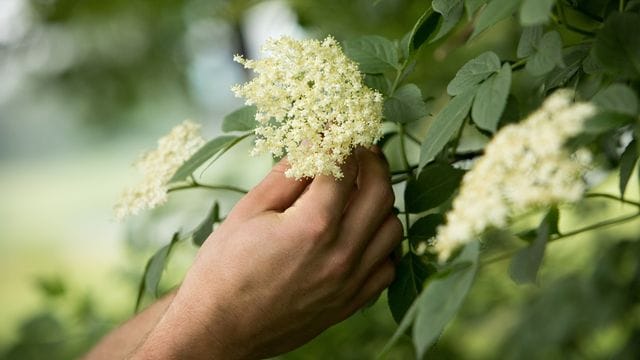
291	259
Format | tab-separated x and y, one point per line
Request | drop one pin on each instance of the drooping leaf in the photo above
406	105
617	98
617	45
243	119
374	54
436	183
491	99
205	153
204	229
442	298
534	12
402	328
547	56
451	11
425	228
628	161
526	262
495	11
411	274
529	40
473	73
153	270
424	30
444	126
573	58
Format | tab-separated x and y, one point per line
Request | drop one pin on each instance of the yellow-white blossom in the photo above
312	105
157	167
525	166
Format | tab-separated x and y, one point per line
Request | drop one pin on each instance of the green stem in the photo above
519	64
196	185
612	197
403	148
406	171
400	179
412	138
621	5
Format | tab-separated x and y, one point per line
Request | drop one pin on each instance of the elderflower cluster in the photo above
157	167
311	104
525	166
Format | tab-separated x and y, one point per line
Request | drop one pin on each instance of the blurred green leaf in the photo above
202	232
573	58
243	119
617	98
378	82
153	270
474	72
495	11
472	6
604	121
411	274
436	183
534	12
617	45
219	144
444	126
451	11
425	228
548	55
51	286
529	40
491	99
374	54
628	161
441	299
526	262
405	105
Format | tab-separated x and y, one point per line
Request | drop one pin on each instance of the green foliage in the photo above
491	99
243	119
374	54
217	146
153	271
202	232
436	183
405	105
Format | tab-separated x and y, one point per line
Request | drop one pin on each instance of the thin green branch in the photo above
196	185
613	197
405	171
399	180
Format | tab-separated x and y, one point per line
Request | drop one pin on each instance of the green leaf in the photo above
474	72
617	45
405	105
201	156
374	54
604	121
529	40
471	6
411	274
436	183
153	270
547	56
495	11
628	161
534	12
202	232
573	58
451	11
526	262
491	99
402	328
424	30
442	298
425	228
378	82
243	119
444	126
617	98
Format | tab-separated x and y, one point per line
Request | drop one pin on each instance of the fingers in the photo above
381	247
275	192
327	197
377	281
371	202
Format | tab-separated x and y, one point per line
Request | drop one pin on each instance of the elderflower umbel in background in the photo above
525	166
312	105
157	167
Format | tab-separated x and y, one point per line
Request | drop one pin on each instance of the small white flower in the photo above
312	105
157	167
525	166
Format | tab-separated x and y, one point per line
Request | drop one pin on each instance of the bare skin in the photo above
291	259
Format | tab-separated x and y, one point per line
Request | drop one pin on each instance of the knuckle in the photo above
318	226
338	270
387	197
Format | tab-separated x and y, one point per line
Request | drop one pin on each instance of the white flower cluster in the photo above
312	105
157	167
525	166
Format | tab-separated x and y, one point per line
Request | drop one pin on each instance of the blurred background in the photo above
88	85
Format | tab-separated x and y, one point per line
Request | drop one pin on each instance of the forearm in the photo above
123	341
